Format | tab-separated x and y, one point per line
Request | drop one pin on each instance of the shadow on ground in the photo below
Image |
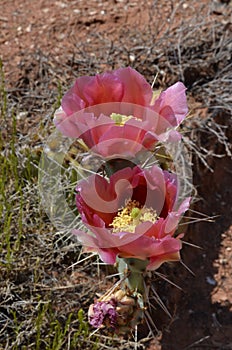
202	312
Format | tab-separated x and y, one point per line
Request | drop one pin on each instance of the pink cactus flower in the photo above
134	214
114	113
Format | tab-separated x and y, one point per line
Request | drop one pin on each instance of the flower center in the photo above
131	216
121	119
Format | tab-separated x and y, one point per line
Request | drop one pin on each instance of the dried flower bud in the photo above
120	310
102	313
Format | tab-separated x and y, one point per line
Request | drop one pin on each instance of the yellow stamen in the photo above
132	215
121	119
148	214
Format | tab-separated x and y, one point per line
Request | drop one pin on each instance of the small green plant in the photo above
60	333
82	333
11	198
10	182
53	334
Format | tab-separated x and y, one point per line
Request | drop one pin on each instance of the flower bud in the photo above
120	311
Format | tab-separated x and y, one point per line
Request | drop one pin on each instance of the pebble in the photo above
211	281
21	115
